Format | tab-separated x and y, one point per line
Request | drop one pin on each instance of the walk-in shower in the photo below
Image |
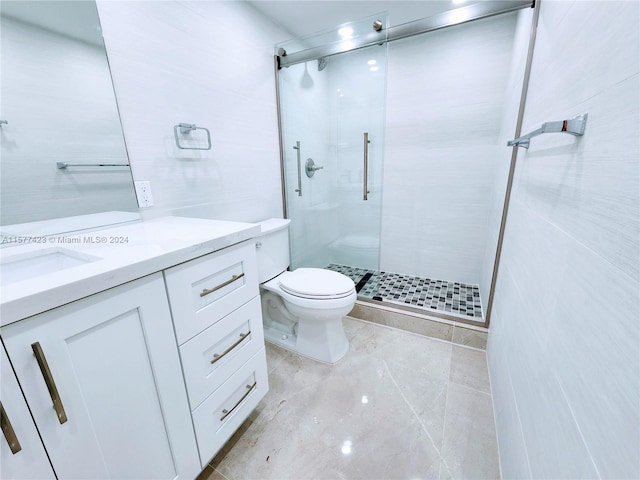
405	130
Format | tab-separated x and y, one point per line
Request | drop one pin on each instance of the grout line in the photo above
495	417
571	238
475	390
442	460
219	473
446	409
515	404
584	441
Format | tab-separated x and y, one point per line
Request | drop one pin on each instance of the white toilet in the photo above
302	310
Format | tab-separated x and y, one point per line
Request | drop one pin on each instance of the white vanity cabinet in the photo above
216	310
21	452
103	381
140	364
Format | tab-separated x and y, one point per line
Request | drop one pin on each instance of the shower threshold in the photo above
456	299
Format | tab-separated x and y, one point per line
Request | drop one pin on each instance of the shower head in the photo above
322	63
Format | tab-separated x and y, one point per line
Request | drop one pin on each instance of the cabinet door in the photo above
114	362
27	459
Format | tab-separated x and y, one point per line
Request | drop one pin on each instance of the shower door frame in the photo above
444	20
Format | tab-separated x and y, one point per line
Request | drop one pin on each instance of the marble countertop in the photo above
117	255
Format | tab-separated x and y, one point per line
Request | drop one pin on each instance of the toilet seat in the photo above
316	283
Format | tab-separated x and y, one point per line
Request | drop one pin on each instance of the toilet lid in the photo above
316	283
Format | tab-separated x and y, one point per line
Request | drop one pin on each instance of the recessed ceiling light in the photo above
371	62
346	447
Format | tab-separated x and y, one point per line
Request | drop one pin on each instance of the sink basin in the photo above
20	267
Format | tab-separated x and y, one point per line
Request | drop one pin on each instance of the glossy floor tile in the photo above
398	405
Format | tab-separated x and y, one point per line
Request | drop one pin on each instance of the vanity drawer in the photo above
220	415
209	358
206	289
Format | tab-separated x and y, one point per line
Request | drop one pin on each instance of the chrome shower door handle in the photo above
366	167
299	189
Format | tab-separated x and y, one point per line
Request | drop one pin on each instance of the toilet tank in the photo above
272	248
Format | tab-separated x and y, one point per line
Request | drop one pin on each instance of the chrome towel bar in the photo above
186	129
63	165
574	126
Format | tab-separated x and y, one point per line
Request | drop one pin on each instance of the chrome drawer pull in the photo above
249	390
48	379
224	284
218	356
9	433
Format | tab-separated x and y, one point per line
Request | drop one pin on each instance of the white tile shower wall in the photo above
206	63
511	101
445	97
69	121
565	333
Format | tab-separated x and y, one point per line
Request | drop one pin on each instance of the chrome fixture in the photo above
322	63
310	167
186	129
442	20
377	25
218	356
64	165
366	167
297	149
226	412
207	291
3	122
574	126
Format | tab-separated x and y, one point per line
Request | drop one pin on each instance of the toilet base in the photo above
322	340
288	342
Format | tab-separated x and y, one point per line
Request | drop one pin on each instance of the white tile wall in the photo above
58	99
445	98
565	333
511	101
207	63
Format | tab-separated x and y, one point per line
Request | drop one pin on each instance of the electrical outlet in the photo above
143	192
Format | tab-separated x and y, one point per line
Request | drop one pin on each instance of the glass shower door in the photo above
332	120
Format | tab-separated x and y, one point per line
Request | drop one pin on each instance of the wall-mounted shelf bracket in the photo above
574	126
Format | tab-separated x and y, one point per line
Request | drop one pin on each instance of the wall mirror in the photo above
64	163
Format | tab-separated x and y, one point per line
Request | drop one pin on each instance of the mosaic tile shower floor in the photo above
423	293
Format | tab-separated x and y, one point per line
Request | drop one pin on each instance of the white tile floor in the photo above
398	405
